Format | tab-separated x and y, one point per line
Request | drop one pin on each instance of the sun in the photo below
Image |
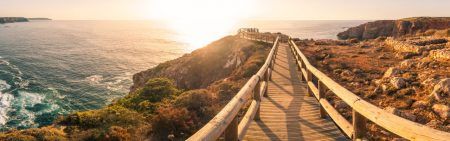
201	21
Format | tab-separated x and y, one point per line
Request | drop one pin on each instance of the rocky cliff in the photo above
173	99
202	67
395	28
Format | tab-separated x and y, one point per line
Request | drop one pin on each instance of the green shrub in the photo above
176	121
202	102
104	118
146	99
35	134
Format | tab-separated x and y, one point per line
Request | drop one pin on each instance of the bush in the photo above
176	121
35	134
202	102
146	99
106	117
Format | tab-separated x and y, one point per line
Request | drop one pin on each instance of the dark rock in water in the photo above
395	28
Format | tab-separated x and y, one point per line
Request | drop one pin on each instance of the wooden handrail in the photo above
361	109
226	121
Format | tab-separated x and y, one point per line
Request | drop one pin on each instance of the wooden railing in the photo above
226	122
318	82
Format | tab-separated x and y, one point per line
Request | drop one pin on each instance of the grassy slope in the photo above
157	106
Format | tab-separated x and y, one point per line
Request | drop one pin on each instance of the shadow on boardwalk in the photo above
288	113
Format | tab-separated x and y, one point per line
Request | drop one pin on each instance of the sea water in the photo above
52	68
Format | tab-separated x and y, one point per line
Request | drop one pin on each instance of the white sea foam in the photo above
5	106
94	78
5	101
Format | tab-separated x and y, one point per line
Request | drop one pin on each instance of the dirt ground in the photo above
405	90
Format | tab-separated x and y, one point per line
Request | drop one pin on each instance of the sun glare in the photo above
201	21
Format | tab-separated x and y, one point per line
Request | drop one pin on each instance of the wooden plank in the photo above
359	126
231	132
286	113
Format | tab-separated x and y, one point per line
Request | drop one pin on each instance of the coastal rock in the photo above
392	110
402	114
442	54
430	82
442	110
394	28
419	104
398	82
230	56
392	71
408	63
442	89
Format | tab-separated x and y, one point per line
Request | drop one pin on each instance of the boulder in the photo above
399	113
420	104
442	89
392	71
430	82
392	110
408	63
346	73
398	82
442	110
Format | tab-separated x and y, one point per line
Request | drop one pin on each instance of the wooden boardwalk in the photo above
288	113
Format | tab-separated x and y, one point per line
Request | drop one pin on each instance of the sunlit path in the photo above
288	113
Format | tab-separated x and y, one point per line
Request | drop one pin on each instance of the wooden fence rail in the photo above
226	122
362	110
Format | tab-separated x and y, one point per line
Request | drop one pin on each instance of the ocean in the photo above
52	68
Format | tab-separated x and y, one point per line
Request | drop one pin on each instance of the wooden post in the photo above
309	79
266	78
231	133
271	69
359	125
257	96
322	91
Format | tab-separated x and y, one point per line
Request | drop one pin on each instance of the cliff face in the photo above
202	67
395	28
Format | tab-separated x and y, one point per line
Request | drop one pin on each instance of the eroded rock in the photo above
408	63
398	82
442	89
442	110
392	71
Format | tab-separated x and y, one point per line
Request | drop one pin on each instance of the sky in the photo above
242	9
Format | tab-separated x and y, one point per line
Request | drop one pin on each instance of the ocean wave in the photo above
5	105
94	78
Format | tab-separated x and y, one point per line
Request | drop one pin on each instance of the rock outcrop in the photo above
395	28
204	66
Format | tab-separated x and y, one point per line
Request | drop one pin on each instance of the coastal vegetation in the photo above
171	100
405	74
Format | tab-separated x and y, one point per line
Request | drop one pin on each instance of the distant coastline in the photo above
4	20
12	19
39	19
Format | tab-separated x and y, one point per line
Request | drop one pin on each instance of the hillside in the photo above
175	98
395	28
